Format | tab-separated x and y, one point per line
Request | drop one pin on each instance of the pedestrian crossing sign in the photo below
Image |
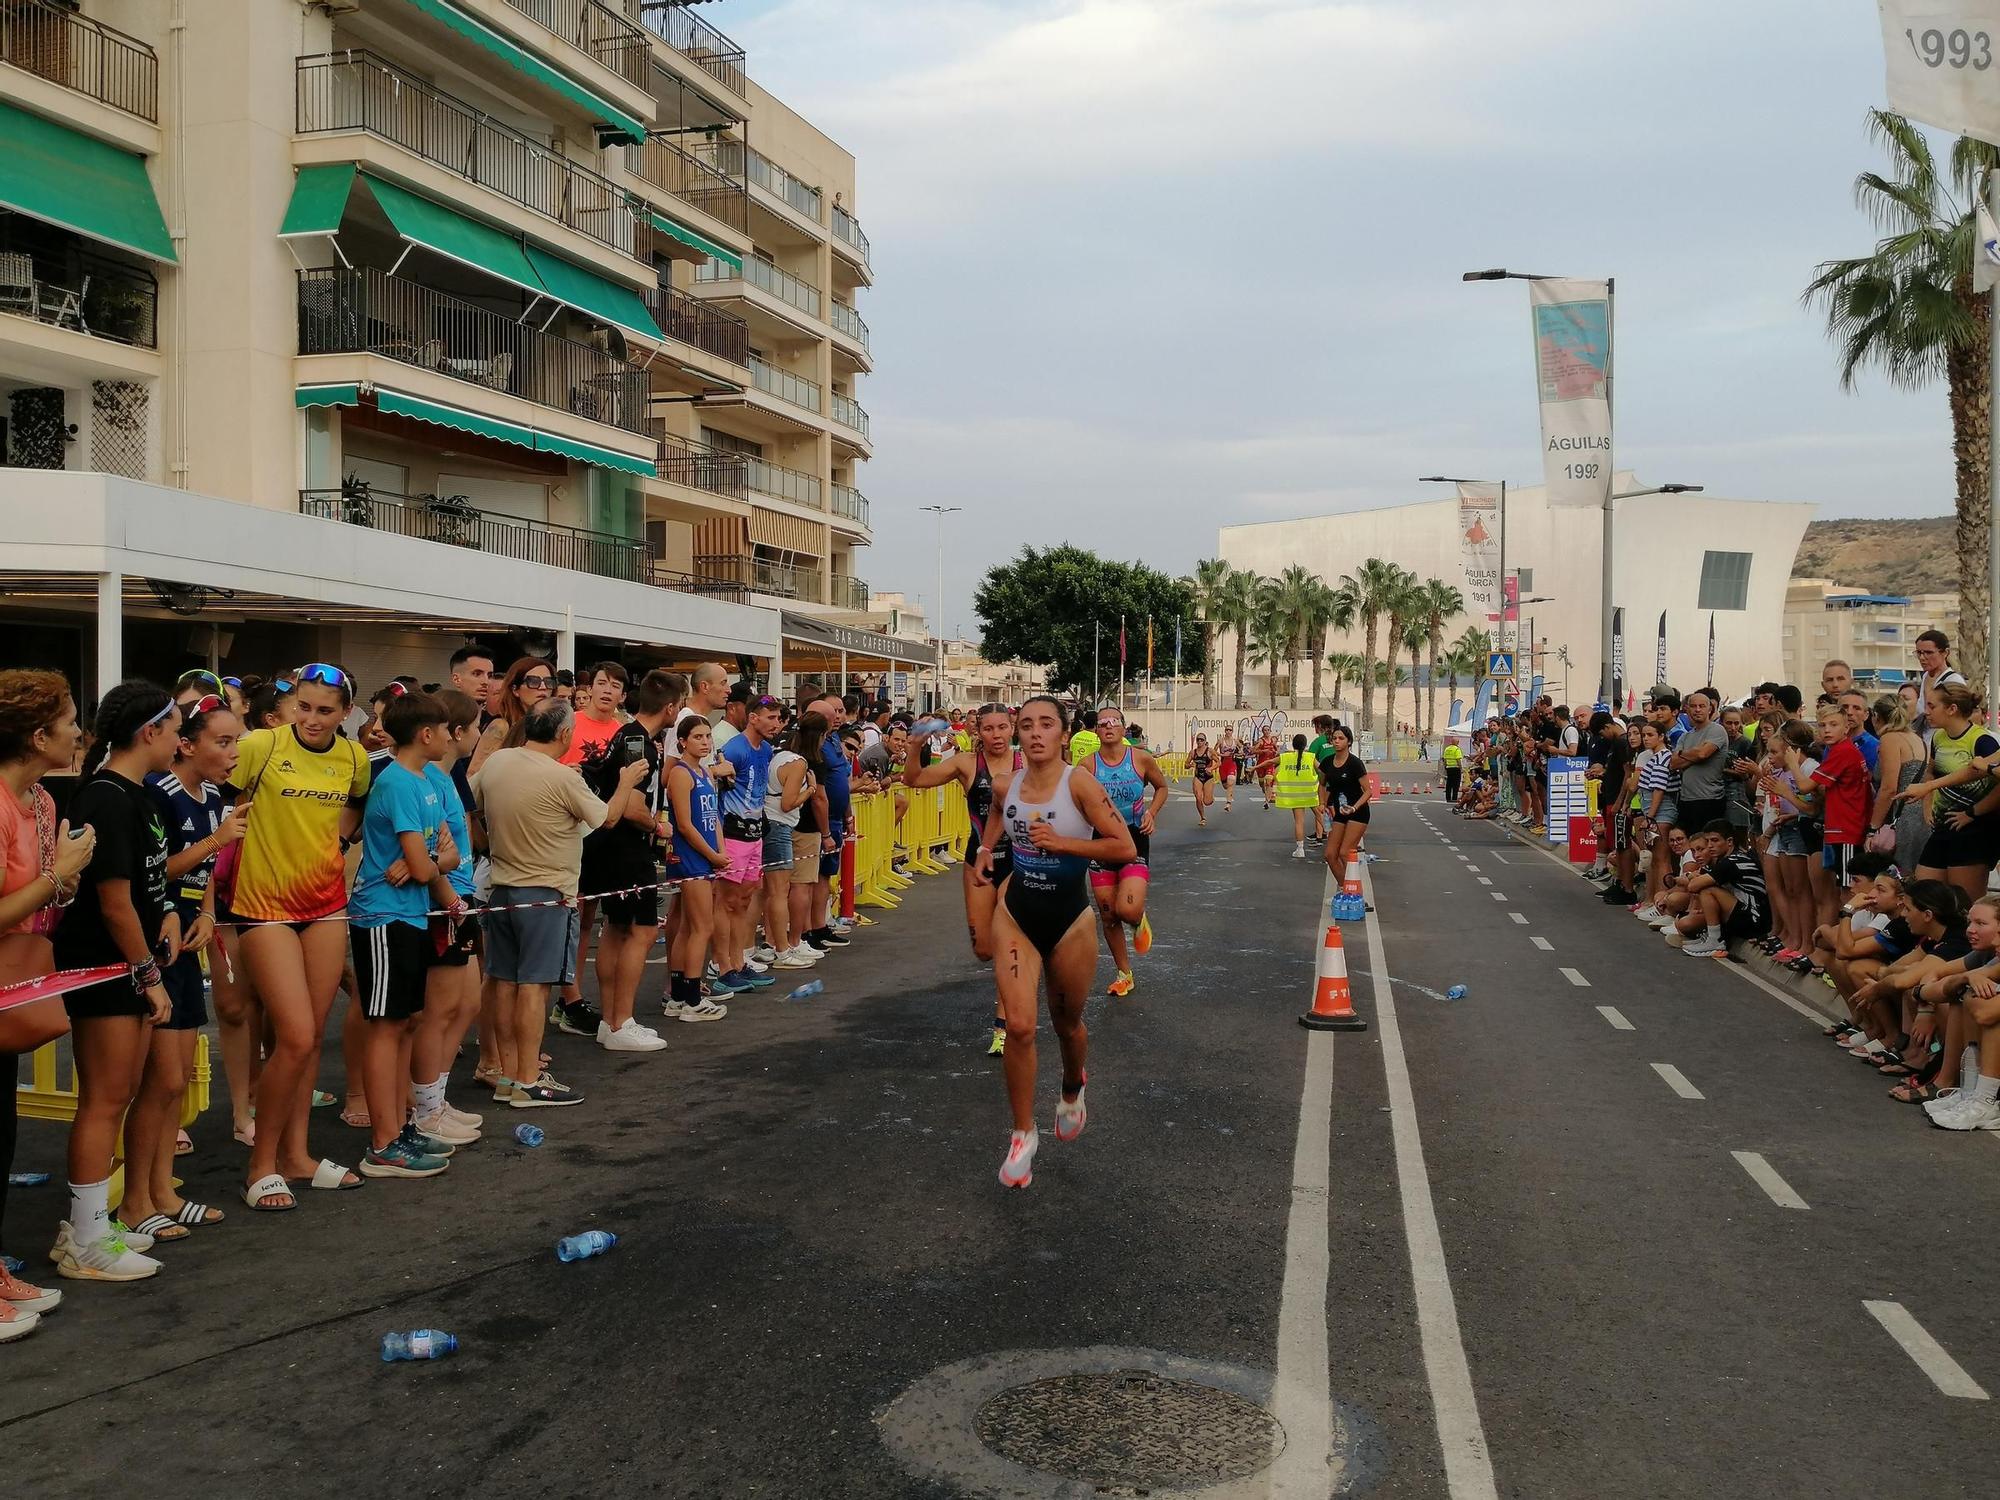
1499	664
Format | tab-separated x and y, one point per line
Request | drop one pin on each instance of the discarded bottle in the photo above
26	1179
1456	992
529	1135
807	991
583	1246
424	1343
15	1266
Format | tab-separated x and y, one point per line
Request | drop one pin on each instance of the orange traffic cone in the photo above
1333	1005
1350	880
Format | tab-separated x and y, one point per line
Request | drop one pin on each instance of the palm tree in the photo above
1400	604
1209	581
1371	587
1271	634
1440	602
1235	605
1321	608
1295	598
1909	310
1344	665
1416	635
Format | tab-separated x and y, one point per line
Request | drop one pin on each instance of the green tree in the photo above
1399	603
1042	607
1235	606
1296	602
1207	585
1909	311
1415	637
1346	667
1271	634
1371	587
1440	603
1322	609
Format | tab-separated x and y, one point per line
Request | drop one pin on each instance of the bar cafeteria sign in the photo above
1944	63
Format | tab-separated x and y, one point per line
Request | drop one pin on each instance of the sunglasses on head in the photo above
197	674
208	703
326	675
283	685
233	682
765	701
394	690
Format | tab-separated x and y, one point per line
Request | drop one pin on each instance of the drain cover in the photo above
1130	1427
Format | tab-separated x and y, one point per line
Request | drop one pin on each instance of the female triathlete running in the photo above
1344	786
1201	760
1230	753
992	762
1057	823
1125	772
304	784
1267	768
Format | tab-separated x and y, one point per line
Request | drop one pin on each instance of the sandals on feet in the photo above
161	1228
1915	1091
198	1215
332	1177
360	1119
182	1145
272	1186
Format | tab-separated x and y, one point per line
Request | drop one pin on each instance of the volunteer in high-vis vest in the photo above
1298	789
1454	766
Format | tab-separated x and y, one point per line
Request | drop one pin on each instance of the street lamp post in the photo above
937	627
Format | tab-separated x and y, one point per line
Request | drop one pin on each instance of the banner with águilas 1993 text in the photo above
1573	379
1479	548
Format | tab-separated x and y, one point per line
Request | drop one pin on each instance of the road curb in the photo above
1805	988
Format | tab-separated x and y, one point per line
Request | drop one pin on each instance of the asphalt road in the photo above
810	1229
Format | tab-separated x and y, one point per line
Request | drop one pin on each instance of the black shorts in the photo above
389	965
1695	816
1948	848
1140	862
182	980
1352	815
634	908
1748	918
448	952
114	997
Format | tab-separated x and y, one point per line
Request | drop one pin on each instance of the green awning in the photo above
319	200
590	453
327	395
78	182
588	292
525	62
695	241
452	234
456	418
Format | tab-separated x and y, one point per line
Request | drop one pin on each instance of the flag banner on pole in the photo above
1941	55
1479	547
1512	590
1149	645
1660	658
1573	376
1482	703
1121	645
1711	648
1617	656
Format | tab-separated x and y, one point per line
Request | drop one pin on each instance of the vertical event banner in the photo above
1573	378
1617	658
1660	656
1479	547
1569	794
1943	60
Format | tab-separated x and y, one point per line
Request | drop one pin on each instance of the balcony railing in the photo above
848	593
848	321
762	576
851	503
780	483
692	180
51	276
595	30
53	42
451	519
848	413
760	273
848	228
741	160
365	311
699	324
709	50
355	90
784	385
700	467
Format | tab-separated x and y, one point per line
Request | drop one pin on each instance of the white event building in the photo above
1692	557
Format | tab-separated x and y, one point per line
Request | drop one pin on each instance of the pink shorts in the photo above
746	861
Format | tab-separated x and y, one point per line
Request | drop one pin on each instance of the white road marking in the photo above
1944	1371
1499	895
1617	1020
1302	1392
1452	847
1766	1177
1468	1467
1677	1081
1575	978
1543	943
1471	868
1485	880
1519	916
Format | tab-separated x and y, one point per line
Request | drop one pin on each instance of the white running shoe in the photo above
1675	939
1298	851
1070	1115
442	1127
792	958
765	954
707	1010
1648	913
1018	1170
1946	1100
464	1118
1969	1112
1702	946
109	1259
754	966
630	1037
1664	921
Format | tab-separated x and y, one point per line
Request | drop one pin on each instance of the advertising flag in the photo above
1149	645
1660	658
1479	547
1573	376
1711	648
1121	645
1941	55
1617	656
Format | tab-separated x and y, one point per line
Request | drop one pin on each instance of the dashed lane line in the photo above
1612	1014
1945	1372
1542	943
1766	1177
1519	916
1575	978
1499	895
1677	1081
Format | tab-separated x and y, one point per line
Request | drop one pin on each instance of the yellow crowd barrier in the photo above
51	1095
930	837
1174	765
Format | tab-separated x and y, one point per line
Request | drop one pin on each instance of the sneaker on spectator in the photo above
108	1259
800	957
765	954
1616	895
544	1093
726	984
1648	913
631	1037
708	1010
443	1127
1701	945
1675	937
749	979
836	937
1969	1112
752	966
401	1159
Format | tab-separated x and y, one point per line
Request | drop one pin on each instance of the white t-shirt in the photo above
1569	740
724	732
774	796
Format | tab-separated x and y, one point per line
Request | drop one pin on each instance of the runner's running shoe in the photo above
1142	940
1018	1170
1123	985
998	1046
1070	1115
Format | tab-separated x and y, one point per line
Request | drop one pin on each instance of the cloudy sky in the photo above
1148	267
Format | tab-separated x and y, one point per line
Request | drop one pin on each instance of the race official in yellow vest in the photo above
1298	789
1454	769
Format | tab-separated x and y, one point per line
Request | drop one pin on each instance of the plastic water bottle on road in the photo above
583	1246
529	1135
1456	992
807	991
424	1343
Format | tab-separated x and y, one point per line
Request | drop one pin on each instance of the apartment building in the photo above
346	329
1875	634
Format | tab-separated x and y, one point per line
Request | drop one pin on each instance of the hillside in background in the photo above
1882	557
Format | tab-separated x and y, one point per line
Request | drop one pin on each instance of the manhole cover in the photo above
1130	1427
